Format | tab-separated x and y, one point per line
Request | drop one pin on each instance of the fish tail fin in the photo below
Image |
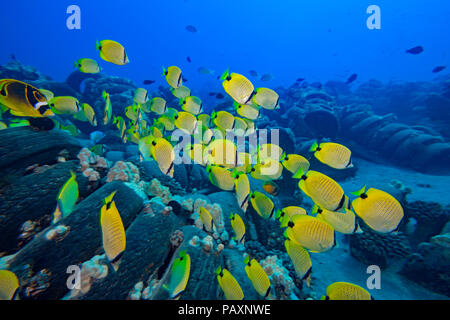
76	64
247	259
359	192
236	173
283	156
314	147
164	71
218	270
109	198
284	221
315	209
225	75
98	45
278	214
299	174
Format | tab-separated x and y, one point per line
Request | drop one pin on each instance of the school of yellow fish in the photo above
212	146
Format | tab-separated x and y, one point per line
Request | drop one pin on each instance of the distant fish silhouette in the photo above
188	59
13	57
351	78
220	96
191	28
184	79
149	82
415	50
203	70
439	69
267	77
300	79
253	73
212	94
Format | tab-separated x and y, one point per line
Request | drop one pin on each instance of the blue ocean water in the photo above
316	40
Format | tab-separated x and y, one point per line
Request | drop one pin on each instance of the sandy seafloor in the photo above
338	265
378	175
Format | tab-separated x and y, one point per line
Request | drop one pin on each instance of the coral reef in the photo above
371	247
429	266
282	283
121	92
150	170
156	189
194	205
92	165
123	171
417	147
148	251
22	147
161	214
91	271
431	219
80	244
16	70
37	192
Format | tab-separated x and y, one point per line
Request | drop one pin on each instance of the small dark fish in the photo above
212	94
149	82
415	50
253	73
267	77
188	59
220	96
13	57
439	69
351	78
300	79
191	29
184	79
